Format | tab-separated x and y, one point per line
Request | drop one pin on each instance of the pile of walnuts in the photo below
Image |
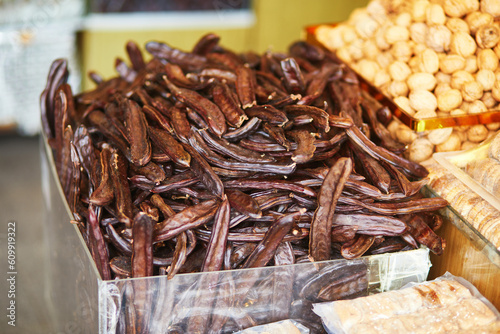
433	58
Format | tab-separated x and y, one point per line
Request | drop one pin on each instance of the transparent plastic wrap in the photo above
446	304
233	300
284	326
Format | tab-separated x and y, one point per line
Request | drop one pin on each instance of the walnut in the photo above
369	49
367	68
495	91
356	49
382	77
453	143
422	100
405	135
349	34
397	88
330	37
439	38
491	6
421	80
402	50
414	64
419	48
403	19
472	91
459	78
395	34
399	70
477	133
377	11
486	78
429	61
462	44
451	63
419	10
404	103
435	15
487	37
384	59
442	77
459	8
439	136
449	100
488	100
425	113
467	145
476	20
420	149
344	54
493	126
418	32
441	88
393	127
477	107
380	40
471	64
487	59
366	26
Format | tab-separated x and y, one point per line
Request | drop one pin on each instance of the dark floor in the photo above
21	202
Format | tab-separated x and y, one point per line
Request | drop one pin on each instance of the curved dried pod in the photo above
487	37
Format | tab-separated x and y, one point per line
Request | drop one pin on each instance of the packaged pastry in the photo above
448	304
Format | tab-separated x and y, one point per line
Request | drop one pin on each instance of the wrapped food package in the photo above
448	304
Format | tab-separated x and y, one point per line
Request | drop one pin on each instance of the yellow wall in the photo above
277	24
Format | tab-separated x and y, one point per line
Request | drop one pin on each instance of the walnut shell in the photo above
477	133
487	59
451	63
439	136
487	37
395	34
422	100
455	24
491	6
453	143
439	38
421	80
434	14
429	61
419	10
472	91
486	78
476	20
418	32
462	44
420	150
449	100
477	107
459	8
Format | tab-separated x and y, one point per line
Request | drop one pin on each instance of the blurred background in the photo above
91	35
